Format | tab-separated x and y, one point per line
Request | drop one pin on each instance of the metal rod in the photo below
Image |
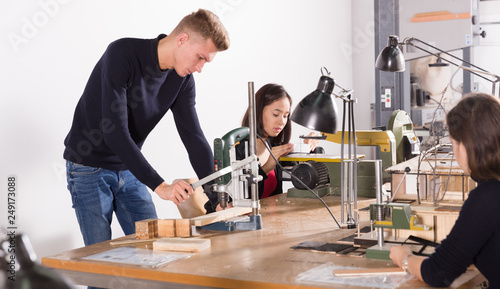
342	169
355	168
349	192
378	187
350	165
253	147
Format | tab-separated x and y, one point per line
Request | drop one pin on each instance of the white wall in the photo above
486	55
49	47
362	51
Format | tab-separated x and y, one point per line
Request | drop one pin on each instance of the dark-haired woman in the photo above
474	130
272	107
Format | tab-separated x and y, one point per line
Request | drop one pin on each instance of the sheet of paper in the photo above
138	256
324	274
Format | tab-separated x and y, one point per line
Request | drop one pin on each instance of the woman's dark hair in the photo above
475	122
266	95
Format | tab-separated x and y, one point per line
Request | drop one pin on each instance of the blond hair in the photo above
205	24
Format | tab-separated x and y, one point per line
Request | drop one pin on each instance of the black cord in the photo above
300	181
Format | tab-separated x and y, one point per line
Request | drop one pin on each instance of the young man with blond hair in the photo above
131	88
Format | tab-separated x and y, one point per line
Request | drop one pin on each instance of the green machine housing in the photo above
222	146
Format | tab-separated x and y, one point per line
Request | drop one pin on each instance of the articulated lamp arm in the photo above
392	59
480	72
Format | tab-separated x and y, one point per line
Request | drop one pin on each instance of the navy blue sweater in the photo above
126	96
474	239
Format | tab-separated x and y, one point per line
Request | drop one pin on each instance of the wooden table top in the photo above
247	259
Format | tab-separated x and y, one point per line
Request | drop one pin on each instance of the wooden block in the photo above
220	216
195	205
183	227
181	244
146	229
367	272
166	228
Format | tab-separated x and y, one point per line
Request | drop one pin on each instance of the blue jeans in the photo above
96	193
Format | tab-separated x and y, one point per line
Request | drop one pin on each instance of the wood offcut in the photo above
193	245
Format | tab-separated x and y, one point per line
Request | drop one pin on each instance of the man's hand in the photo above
177	192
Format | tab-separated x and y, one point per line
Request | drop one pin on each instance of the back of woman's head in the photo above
475	122
266	95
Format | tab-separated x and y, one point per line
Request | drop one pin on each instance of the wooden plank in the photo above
181	244
368	272
220	216
131	242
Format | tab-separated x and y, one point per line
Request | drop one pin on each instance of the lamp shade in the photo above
391	58
318	110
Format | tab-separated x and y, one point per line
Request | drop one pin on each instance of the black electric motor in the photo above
311	173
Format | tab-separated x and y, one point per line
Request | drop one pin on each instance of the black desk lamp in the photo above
392	59
318	111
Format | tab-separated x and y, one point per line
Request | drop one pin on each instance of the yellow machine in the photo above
384	140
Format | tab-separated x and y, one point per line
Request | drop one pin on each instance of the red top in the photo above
270	184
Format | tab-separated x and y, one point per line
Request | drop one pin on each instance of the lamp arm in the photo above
409	41
344	94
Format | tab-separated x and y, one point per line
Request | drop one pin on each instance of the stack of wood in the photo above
154	228
177	234
173	234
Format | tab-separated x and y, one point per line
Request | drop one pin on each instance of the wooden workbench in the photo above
245	259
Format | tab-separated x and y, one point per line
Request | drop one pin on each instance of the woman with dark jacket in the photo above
473	126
